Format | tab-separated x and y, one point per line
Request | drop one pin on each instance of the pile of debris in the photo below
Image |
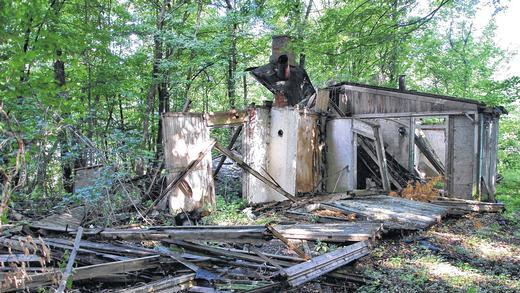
172	258
57	252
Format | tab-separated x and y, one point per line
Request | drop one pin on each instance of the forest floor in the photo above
474	253
471	253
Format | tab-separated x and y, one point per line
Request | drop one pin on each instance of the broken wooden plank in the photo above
223	252
229	147
70	262
460	206
168	284
182	175
323	264
227	118
20	258
381	157
344	232
82	273
337	232
255	173
289	244
393	211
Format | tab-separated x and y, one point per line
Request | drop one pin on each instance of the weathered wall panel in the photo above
282	148
185	136
489	155
368	100
462	157
341	156
255	140
308	156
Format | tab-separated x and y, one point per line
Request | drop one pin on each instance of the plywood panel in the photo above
185	136
307	154
255	153
340	156
282	148
462	157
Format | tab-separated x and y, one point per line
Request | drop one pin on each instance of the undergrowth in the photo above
508	192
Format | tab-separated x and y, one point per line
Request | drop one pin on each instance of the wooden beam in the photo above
68	269
411	114
255	173
229	147
286	241
168	284
325	263
322	101
381	157
228	118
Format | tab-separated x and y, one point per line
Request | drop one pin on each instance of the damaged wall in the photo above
185	136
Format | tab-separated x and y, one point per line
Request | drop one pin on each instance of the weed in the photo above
227	213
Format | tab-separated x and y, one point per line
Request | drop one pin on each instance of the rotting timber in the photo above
333	164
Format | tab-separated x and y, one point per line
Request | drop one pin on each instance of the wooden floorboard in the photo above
393	212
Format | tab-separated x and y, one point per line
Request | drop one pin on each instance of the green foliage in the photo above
323	247
119	57
227	213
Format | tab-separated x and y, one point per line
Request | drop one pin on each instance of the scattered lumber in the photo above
337	232
168	284
323	264
393	212
458	206
82	273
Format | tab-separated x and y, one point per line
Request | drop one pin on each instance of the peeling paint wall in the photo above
185	136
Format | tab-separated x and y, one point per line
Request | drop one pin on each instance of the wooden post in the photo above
381	157
322	101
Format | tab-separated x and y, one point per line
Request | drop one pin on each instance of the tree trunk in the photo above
66	166
232	62
160	79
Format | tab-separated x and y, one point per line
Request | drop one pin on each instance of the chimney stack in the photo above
281	46
402	83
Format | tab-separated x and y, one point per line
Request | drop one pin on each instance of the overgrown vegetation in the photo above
85	82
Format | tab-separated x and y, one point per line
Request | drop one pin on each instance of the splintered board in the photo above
393	212
344	232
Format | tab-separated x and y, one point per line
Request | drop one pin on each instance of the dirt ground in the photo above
473	253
